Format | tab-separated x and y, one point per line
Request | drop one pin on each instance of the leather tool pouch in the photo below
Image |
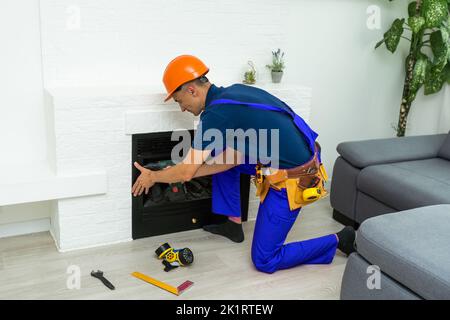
310	176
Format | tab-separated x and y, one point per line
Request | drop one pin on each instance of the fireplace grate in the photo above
169	208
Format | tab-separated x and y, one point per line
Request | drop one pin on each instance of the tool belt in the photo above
304	184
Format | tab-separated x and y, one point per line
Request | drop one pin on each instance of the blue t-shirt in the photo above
293	149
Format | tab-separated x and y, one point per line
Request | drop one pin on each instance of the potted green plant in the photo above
250	75
428	61
277	65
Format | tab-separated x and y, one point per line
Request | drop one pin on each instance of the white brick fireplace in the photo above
92	130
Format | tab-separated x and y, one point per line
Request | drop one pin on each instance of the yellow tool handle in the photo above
155	282
323	172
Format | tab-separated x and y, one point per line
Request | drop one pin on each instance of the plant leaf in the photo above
392	36
412	9
379	43
416	23
440	47
434	81
445	33
418	74
434	12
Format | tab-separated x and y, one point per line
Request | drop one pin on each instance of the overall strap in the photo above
298	121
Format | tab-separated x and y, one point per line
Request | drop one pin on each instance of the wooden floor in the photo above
32	268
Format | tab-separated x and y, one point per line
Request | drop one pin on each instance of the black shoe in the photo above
229	229
347	238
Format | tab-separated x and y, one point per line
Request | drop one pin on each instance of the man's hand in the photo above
144	182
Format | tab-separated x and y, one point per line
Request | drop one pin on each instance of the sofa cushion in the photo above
409	184
412	247
366	153
354	283
444	152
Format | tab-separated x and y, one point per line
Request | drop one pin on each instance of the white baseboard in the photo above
26	227
92	246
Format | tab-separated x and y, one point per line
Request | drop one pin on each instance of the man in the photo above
282	182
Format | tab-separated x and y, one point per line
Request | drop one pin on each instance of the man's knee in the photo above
264	263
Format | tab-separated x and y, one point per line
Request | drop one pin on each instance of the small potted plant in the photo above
250	75
277	65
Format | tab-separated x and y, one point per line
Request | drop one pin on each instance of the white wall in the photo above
128	42
444	120
22	126
24	212
22	135
356	89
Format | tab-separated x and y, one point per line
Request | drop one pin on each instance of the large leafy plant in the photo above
427	28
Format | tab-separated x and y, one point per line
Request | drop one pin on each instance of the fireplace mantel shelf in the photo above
37	182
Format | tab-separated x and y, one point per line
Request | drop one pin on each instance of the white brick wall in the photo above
91	134
107	42
93	131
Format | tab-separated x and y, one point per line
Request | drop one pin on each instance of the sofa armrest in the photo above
378	151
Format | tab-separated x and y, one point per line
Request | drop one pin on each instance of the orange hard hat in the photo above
180	70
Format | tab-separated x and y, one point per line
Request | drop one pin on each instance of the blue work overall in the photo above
274	219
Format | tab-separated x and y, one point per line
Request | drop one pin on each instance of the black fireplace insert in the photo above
169	208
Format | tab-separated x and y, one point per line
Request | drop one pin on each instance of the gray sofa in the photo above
375	177
409	178
411	252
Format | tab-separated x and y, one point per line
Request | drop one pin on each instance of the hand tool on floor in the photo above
173	258
177	291
99	275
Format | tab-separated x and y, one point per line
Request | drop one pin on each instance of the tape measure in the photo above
311	194
173	258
